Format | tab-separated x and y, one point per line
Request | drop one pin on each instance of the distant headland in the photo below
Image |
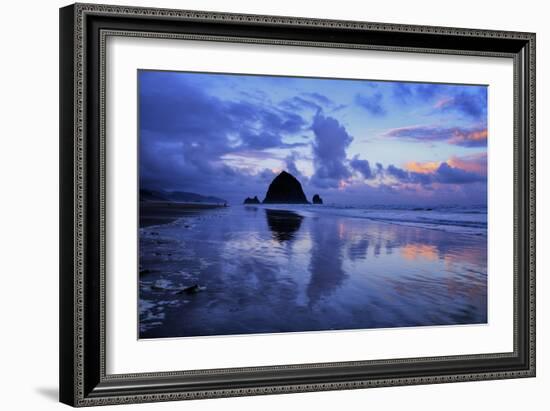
284	189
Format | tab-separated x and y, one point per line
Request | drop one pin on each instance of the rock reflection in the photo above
283	224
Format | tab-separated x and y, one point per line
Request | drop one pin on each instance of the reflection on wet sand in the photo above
325	266
281	271
416	251
283	224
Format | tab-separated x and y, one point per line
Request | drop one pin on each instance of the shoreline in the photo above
165	212
467	228
159	213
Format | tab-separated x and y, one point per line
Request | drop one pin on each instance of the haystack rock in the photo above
317	200
285	189
249	200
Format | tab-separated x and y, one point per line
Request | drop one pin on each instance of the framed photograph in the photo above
260	204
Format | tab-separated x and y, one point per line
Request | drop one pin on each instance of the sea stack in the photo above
285	189
317	200
249	200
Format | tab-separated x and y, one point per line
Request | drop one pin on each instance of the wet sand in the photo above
263	270
157	212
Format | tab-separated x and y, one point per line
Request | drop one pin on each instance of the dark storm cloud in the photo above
329	151
261	127
187	111
371	103
184	132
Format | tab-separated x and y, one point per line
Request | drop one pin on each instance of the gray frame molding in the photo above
80	394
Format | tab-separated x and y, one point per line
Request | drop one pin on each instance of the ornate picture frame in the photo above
84	30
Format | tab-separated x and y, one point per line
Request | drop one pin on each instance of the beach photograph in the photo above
277	204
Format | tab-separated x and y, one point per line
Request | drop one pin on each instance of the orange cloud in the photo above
342	184
475	163
472	138
460	136
423	168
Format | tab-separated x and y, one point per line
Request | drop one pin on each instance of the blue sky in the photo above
351	141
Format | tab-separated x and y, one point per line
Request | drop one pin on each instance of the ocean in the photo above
295	268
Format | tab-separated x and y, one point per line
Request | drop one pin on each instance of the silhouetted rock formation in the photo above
283	224
317	199
249	200
285	189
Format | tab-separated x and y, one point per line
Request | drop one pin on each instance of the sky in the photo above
353	142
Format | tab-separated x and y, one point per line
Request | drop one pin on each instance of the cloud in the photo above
405	176
447	174
402	92
362	166
470	104
311	101
320	98
230	144
460	136
298	103
290	163
475	163
266	175
466	100
423	168
428	173
372	103
185	133
412	93
261	140
329	151
398	173
174	107
471	138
